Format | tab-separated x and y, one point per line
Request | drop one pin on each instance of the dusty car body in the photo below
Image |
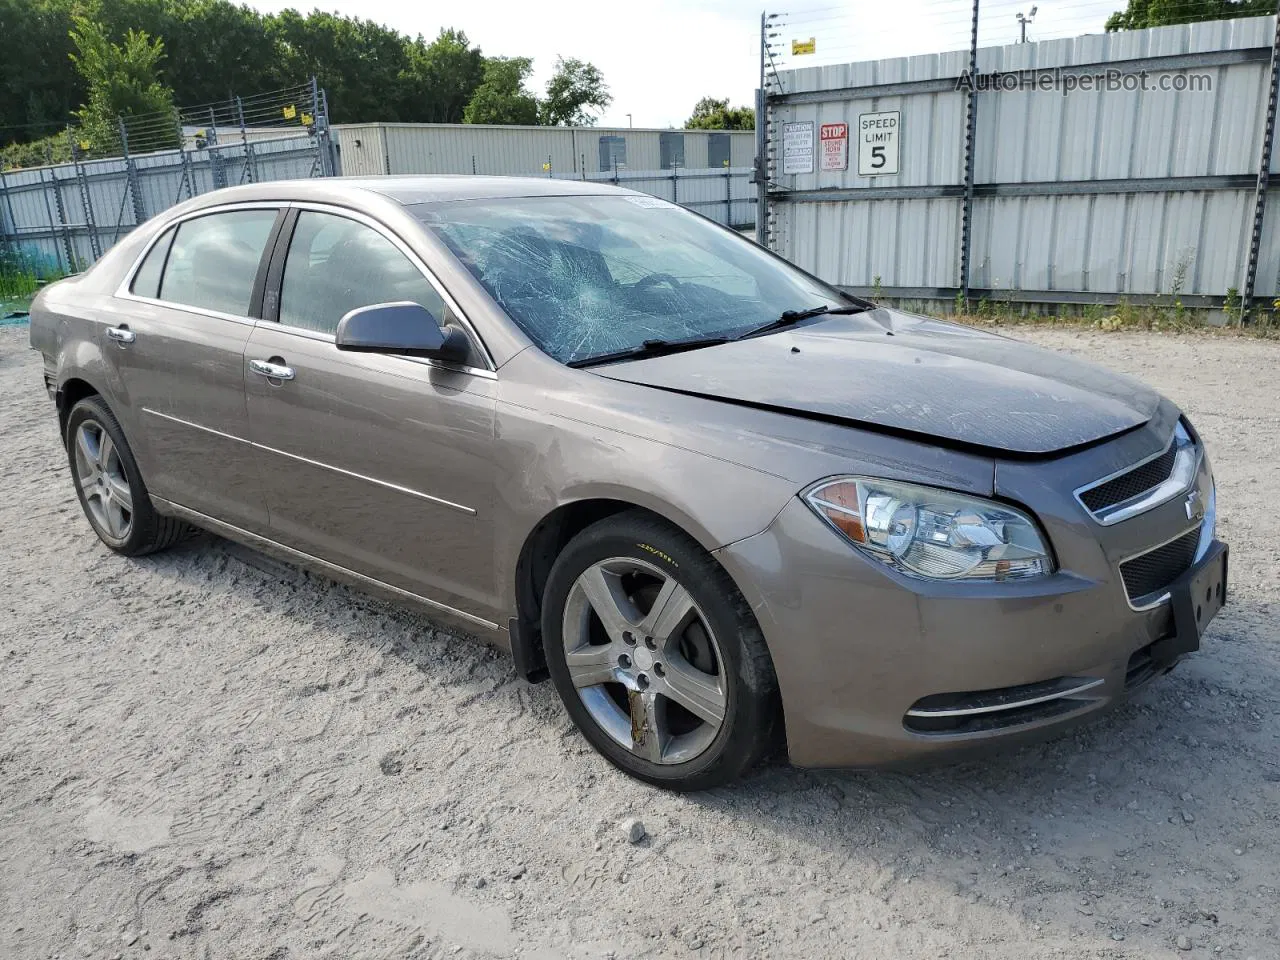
742	471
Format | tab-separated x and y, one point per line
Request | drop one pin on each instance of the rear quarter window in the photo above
146	282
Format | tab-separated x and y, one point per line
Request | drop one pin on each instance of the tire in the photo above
676	649
112	494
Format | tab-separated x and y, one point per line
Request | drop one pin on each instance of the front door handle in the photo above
272	371
121	334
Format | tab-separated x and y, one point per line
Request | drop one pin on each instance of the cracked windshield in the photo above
590	276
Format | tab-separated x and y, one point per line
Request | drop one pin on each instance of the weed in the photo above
22	272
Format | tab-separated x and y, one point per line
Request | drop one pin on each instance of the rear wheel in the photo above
110	487
656	655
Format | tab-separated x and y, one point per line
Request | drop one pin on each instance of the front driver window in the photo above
336	265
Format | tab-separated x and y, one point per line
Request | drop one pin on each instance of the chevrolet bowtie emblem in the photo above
1195	509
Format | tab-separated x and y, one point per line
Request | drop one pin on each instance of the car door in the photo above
379	464
180	359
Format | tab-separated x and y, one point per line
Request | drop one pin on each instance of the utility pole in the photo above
1023	20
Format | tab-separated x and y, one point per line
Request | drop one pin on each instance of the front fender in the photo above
552	461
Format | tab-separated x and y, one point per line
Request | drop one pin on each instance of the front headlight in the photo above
931	533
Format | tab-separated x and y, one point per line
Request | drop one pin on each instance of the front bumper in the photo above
876	669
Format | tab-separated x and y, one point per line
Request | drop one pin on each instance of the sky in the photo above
659	57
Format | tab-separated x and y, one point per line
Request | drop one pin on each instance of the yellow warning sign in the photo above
307	119
801	47
290	112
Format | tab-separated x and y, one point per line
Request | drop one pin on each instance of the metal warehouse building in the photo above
393	148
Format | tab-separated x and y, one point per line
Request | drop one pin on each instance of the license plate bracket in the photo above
1196	597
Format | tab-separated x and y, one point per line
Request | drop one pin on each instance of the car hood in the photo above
911	376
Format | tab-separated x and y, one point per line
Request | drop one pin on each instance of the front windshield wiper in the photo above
792	317
649	348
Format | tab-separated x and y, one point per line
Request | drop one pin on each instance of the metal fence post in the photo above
970	131
1264	177
316	127
8	207
728	197
250	163
131	175
186	164
53	227
60	206
217	170
330	145
326	149
675	183
86	201
762	143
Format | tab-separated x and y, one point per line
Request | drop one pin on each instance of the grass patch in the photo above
22	273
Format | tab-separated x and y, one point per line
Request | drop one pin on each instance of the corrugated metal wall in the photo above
514	150
1057	206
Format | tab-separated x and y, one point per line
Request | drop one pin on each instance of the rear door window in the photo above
214	260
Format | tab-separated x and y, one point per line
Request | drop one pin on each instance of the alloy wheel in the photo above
101	476
644	660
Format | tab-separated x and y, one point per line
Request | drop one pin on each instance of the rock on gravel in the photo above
633	830
182	736
1184	942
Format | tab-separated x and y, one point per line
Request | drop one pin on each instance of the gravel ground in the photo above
205	754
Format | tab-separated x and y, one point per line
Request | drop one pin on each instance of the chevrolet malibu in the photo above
722	505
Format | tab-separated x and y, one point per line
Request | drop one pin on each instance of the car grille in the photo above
1128	485
1154	570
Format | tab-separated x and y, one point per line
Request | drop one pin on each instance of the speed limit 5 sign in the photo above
878	143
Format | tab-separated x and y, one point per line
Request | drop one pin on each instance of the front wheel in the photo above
657	656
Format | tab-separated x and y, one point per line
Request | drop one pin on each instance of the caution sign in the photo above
797	147
801	47
835	146
878	143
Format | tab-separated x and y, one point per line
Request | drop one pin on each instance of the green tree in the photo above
40	89
502	97
122	81
217	50
712	114
358	62
1159	13
574	90
441	78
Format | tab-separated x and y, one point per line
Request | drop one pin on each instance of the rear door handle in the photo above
121	334
272	371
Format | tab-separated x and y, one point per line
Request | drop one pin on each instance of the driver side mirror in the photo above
403	328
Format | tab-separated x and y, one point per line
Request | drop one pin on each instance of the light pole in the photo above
628	121
1023	20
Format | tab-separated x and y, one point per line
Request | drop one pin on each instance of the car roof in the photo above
406	190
